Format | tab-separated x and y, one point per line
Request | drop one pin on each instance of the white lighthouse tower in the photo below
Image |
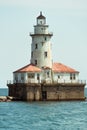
41	79
41	53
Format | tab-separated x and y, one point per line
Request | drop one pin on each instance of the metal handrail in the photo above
49	82
32	33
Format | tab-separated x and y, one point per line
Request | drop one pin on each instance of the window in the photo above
45	54
36	46
38	77
35	62
48	74
16	78
22	76
45	38
72	77
30	75
40	22
41	28
58	76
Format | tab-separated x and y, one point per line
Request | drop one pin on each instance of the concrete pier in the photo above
47	92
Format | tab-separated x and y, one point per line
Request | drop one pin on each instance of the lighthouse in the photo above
41	79
41	52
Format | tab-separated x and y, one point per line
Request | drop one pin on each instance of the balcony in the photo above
42	33
64	82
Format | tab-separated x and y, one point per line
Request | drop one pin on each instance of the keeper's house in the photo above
42	79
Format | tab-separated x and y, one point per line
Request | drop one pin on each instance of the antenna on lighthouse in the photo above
40	12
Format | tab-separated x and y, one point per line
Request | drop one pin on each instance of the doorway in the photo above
44	95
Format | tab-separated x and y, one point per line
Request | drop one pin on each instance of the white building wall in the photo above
25	78
41	29
17	78
39	53
65	78
46	76
43	77
41	38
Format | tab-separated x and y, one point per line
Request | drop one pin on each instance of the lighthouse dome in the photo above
41	16
41	20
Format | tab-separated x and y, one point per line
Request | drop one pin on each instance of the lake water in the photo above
43	115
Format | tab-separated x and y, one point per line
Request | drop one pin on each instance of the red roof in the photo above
28	68
57	67
61	68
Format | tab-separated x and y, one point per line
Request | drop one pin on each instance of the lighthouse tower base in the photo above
47	92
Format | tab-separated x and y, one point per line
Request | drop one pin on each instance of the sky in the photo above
67	19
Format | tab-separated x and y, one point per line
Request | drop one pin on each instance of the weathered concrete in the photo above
48	92
65	92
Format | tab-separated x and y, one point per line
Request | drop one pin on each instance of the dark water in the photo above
43	115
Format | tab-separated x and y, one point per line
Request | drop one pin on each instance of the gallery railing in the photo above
40	33
48	81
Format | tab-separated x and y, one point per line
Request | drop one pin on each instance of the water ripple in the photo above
43	115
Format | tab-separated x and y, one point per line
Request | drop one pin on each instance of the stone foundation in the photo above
47	92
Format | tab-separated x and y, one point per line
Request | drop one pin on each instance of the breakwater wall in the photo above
47	92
